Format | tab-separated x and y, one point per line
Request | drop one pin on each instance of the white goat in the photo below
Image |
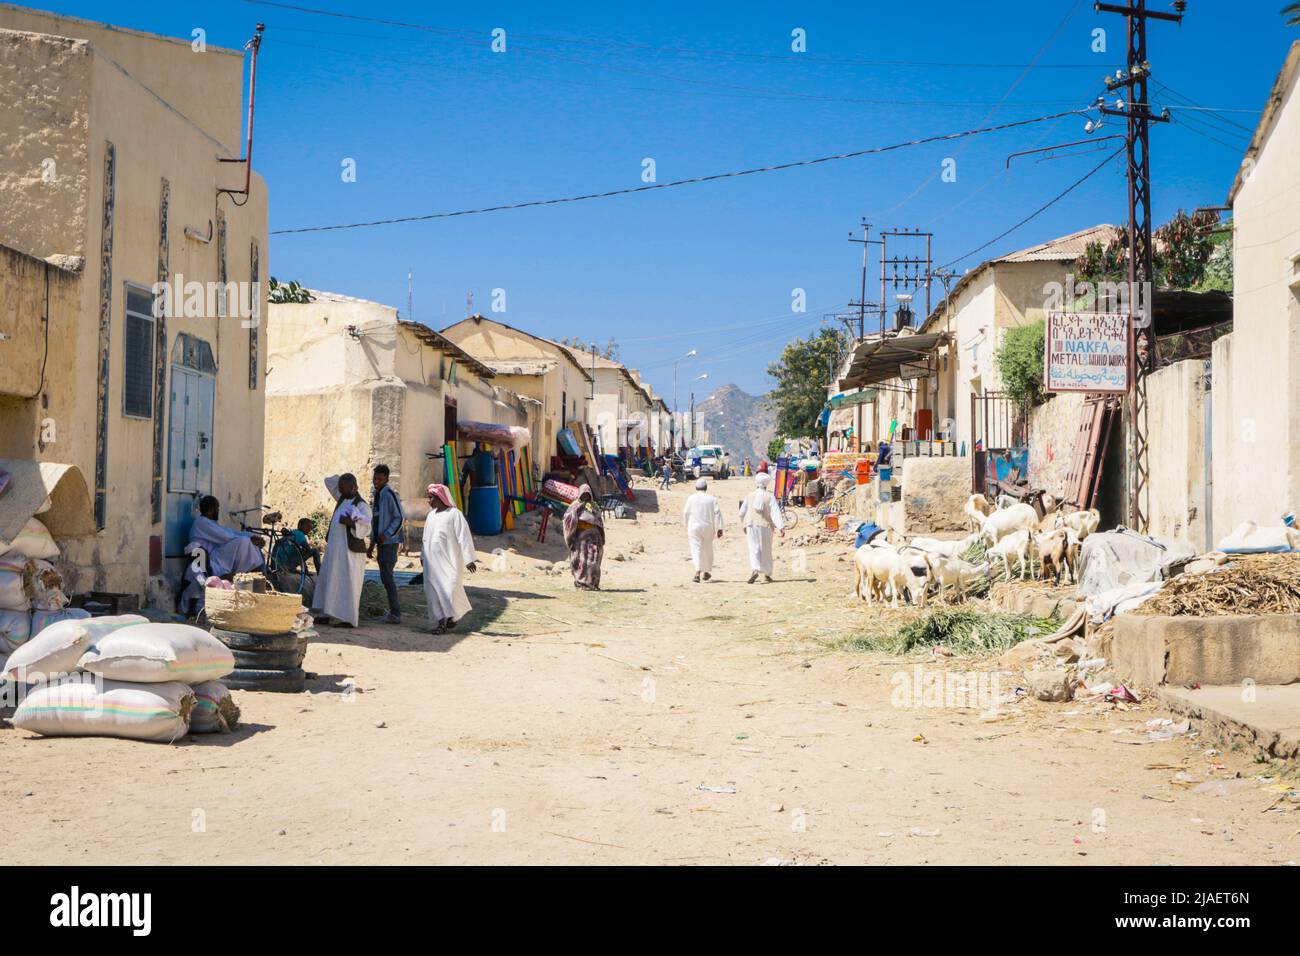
1082	523
884	572
1016	543
950	569
1005	521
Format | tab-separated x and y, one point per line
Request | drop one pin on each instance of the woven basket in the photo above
253	613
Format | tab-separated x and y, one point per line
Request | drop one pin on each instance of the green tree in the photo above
1020	362
774	448
800	375
1182	248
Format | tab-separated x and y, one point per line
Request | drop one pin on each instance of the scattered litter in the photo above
919	832
1221	788
716	789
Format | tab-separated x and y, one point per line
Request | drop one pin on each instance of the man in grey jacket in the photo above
386	531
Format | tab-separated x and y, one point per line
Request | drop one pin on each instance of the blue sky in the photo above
584	92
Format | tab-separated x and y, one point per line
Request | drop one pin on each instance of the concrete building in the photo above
535	368
1256	370
350	385
124	353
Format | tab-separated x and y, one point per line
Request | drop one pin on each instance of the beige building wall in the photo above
563	390
1256	401
107	102
1178	403
350	388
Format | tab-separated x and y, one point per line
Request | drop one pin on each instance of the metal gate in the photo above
999	441
189	434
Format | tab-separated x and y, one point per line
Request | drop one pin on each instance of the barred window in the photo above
137	345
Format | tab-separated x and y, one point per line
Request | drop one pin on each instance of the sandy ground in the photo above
658	721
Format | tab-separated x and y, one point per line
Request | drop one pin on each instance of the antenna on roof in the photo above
469	304
410	295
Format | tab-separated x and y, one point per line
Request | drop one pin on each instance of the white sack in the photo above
57	648
34	541
153	653
43	619
15	629
77	708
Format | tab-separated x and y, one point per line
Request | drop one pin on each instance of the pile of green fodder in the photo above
965	631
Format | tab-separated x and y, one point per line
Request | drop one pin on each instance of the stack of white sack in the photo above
31	590
121	676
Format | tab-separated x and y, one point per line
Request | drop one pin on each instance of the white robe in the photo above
338	586
229	552
446	549
703	519
761	515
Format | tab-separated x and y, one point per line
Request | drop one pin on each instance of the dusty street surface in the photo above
572	727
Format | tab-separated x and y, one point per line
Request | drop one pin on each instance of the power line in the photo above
606	43
873	151
1039	211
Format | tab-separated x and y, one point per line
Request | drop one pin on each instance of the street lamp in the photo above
691	354
698	378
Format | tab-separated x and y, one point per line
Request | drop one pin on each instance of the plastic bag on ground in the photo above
77	708
154	653
57	648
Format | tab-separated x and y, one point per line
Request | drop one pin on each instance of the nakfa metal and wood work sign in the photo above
1086	352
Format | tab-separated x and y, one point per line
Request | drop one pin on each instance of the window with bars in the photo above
137	349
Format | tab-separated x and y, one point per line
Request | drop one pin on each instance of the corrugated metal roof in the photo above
1064	249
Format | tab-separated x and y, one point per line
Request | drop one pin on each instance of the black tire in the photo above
291	681
243	641
270	660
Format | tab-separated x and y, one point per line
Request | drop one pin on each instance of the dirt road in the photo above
657	721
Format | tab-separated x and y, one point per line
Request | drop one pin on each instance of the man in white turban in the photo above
761	515
703	519
446	552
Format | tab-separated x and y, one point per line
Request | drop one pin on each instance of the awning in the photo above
30	483
876	361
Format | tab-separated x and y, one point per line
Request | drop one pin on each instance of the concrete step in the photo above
1152	650
1261	718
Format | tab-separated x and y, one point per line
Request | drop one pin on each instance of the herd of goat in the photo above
890	566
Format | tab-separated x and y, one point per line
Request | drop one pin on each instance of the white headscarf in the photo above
701	485
762	479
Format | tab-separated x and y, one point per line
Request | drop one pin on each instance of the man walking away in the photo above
338	589
761	515
703	519
387	538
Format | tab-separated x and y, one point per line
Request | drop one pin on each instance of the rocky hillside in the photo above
738	421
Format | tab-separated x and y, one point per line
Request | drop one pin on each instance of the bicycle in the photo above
286	561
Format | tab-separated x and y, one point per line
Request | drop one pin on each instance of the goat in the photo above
947	549
1017	517
976	509
1052	547
887	572
1016	543
950	569
1082	523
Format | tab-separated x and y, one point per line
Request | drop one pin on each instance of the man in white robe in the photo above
703	519
761	515
446	552
338	586
229	552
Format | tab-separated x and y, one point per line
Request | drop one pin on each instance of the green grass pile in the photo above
962	630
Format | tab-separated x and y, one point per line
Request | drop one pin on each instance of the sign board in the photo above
1086	352
913	370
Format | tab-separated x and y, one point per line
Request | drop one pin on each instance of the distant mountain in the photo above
739	422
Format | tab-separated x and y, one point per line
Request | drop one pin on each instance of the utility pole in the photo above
1136	109
410	295
861	305
905	272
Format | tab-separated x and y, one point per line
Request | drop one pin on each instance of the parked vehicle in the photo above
714	461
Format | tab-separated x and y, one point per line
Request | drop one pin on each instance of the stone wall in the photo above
934	491
1052	430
